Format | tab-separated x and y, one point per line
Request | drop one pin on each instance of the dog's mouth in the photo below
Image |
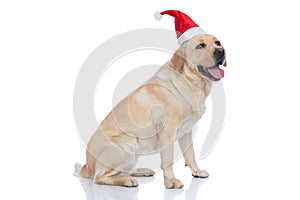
214	73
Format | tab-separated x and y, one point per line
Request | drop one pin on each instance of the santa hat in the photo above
185	27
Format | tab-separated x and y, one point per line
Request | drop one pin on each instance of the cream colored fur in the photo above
150	119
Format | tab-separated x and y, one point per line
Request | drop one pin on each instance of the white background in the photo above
43	45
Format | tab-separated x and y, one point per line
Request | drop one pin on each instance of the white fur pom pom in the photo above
157	16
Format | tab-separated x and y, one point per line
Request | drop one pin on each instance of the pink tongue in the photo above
216	72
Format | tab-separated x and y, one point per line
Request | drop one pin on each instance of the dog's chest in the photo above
191	116
193	107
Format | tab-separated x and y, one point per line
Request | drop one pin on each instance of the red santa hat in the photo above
185	27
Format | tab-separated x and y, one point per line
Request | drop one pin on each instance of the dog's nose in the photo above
219	53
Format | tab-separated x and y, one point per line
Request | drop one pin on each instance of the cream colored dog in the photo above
150	119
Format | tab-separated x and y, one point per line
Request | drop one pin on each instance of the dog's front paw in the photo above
200	174
173	183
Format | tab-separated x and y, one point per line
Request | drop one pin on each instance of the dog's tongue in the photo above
216	72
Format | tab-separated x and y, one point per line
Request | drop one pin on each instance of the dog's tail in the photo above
77	169
80	170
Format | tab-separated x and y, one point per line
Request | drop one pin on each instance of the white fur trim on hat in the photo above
188	34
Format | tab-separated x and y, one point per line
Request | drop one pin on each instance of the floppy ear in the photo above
177	61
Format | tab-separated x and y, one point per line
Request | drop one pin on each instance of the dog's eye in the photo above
218	43
201	46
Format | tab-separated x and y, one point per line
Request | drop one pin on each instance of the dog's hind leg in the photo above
127	181
113	166
143	172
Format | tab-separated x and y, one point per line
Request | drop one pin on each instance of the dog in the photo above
150	119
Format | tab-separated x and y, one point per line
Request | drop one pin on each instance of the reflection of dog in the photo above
152	117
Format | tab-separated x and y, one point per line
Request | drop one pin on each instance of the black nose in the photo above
219	54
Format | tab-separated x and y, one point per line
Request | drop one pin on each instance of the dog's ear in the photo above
177	61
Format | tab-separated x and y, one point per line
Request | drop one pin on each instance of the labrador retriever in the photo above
150	119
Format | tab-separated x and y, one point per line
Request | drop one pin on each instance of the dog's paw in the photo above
143	172
200	174
131	182
173	183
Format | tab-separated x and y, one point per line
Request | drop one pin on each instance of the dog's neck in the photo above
192	90
197	83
